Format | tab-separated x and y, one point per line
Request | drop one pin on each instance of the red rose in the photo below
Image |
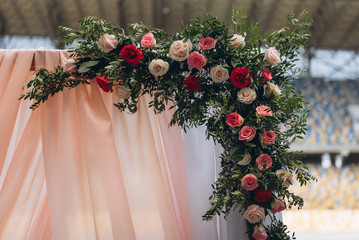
131	54
240	77
192	83
265	73
234	120
261	195
103	83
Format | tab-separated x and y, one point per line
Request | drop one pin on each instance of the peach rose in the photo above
180	50
254	214
272	89
246	95
238	40
148	41
272	56
286	176
277	206
249	182
247	133
259	232
207	43
234	120
196	60
219	74
107	42
264	159
264	110
158	67
247	158
122	92
267	138
69	65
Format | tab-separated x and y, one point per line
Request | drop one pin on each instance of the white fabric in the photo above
202	167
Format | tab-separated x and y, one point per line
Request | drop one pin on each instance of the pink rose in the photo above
234	120
247	133
148	41
238	40
247	158
196	60
264	159
277	206
272	56
254	213
259	232
207	43
69	65
265	73
264	110
249	182
107	42
286	176
267	138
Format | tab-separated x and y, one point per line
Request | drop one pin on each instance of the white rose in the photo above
245	160
238	40
219	74
69	65
254	213
180	50
272	56
246	95
158	67
286	176
122	92
272	89
107	42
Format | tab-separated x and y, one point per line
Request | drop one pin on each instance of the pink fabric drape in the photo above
77	168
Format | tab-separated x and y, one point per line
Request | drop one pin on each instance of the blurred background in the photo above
330	85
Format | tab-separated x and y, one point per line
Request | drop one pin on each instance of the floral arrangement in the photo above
235	81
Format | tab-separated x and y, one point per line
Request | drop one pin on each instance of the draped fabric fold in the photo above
76	168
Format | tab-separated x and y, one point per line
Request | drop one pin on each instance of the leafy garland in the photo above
240	86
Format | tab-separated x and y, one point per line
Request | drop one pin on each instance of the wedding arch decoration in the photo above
232	79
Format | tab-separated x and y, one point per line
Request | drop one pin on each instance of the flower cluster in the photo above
217	78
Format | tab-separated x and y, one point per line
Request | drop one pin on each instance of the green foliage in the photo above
212	103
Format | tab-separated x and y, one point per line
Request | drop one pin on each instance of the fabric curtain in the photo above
78	168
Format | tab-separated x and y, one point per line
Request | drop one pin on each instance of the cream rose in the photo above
272	56
286	176
238	40
246	95
247	158
158	67
69	65
180	50
107	42
122	92
272	89
219	74
254	213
